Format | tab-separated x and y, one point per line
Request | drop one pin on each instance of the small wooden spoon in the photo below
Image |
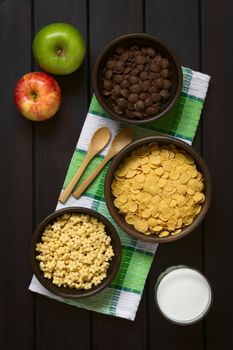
122	139
98	141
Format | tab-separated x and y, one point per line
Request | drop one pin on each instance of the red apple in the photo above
37	96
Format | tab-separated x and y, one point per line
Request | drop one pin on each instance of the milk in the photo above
183	295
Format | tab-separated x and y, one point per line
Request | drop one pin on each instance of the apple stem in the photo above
34	95
60	50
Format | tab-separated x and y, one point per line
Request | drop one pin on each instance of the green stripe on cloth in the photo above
134	263
123	295
107	305
95	190
175	122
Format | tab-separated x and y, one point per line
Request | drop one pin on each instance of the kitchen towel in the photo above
123	295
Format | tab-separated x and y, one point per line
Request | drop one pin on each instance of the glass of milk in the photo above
183	295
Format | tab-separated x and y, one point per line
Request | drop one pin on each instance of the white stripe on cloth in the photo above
199	85
147	246
127	305
73	202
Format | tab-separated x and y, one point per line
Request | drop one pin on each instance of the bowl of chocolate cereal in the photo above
75	252
137	78
158	189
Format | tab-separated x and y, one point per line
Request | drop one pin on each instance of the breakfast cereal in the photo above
75	251
137	82
158	189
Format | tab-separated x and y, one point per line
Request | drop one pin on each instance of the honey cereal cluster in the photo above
75	251
158	189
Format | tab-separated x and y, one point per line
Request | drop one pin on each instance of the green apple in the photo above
59	48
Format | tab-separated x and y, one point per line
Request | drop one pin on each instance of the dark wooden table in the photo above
34	160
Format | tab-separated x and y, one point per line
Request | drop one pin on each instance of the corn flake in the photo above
164	234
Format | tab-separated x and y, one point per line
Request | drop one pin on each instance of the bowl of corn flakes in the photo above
75	252
158	189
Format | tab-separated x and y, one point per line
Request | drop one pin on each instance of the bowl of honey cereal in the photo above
158	189
75	252
137	78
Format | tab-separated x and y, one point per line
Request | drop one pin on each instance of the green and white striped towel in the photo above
122	297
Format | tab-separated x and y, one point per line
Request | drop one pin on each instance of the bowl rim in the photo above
82	292
116	41
128	149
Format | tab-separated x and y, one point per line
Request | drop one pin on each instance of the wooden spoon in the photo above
122	139
98	141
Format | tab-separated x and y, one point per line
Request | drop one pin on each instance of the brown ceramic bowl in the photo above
140	40
66	292
119	218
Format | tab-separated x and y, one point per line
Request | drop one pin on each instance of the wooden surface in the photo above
35	157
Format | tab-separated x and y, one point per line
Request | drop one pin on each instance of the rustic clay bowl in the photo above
140	40
119	218
66	292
